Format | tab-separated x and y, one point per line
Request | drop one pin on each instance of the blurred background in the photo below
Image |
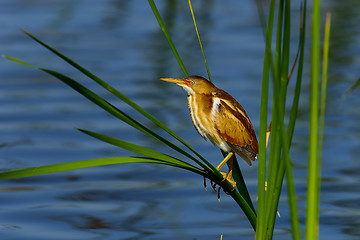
121	42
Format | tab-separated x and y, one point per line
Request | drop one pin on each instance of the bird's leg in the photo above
229	175
230	154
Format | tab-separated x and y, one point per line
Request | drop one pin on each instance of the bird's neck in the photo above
200	106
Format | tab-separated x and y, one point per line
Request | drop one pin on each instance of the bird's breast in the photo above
198	115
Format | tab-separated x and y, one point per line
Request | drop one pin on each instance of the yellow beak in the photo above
175	80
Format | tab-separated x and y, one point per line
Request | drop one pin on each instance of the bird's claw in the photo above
228	177
217	188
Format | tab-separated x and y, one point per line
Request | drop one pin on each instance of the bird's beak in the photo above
179	81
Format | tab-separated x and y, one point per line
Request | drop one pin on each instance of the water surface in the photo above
121	42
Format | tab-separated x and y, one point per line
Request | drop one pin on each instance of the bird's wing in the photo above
233	124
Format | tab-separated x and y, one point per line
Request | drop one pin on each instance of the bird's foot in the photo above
228	176
218	188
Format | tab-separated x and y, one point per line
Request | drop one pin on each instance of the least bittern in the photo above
217	116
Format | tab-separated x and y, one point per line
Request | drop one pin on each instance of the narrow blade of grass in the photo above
321	123
198	36
69	166
261	204
167	36
295	104
285	163
324	83
312	208
296	233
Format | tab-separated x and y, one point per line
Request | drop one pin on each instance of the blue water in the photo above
121	42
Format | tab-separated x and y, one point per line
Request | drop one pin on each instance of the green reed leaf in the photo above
69	166
296	233
313	186
198	36
261	204
167	36
141	150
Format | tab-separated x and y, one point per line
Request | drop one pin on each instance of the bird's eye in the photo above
192	82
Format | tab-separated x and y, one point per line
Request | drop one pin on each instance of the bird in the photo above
217	116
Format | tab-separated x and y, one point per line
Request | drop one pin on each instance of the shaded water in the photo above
121	42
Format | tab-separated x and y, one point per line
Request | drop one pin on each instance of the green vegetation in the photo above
273	164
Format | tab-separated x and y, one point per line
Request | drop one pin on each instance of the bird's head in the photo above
192	84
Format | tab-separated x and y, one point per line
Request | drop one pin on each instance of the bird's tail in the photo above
246	153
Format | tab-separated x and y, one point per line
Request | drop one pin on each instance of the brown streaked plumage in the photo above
217	116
